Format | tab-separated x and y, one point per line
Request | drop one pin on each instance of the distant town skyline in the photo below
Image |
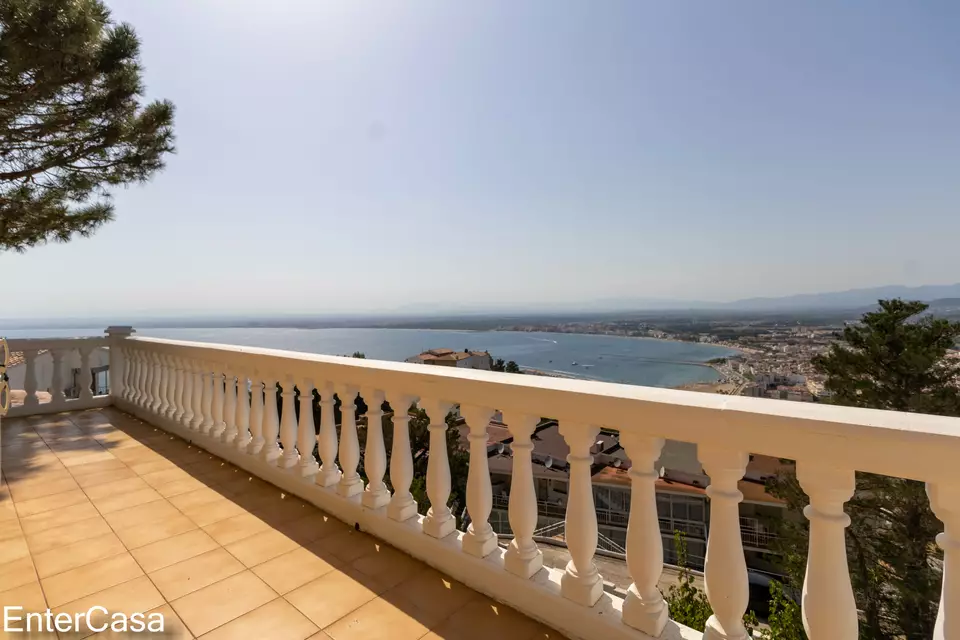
356	157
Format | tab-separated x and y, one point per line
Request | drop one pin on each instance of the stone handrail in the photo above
200	391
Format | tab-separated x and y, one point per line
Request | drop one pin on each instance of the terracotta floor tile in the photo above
133	596
211	512
77	554
381	619
30	490
311	528
195	573
388	565
97	467
293	569
261	547
236	528
434	593
116	488
13	549
10	527
284	510
28	596
347	546
212	606
192	499
329	598
58	518
173	628
143	534
166	476
142	514
277	620
151	465
85	457
164	553
119	502
103	477
179	487
17	573
28	508
483	619
67	534
89	579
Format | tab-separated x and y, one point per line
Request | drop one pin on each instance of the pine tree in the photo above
71	120
896	358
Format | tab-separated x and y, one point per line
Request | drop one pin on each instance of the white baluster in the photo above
166	388
644	608
229	409
523	558
208	424
480	539
171	386
945	502
828	607
270	451
86	377
439	521
157	380
196	422
126	373
725	569
56	392
216	405
327	440
581	582
140	378
186	417
177	414
242	417
256	418
307	431
30	379
376	494
351	483
288	425
402	505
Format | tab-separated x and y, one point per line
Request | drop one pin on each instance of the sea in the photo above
640	361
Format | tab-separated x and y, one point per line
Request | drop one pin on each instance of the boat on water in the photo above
574	363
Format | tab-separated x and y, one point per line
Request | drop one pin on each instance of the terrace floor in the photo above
100	508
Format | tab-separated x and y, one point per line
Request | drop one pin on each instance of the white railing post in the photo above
178	374
522	558
57	397
186	418
828	606
376	494
229	408
208	424
307	431
216	404
351	483
30	379
166	386
643	607
725	568
581	582
402	505
140	380
480	540
200	403
256	418
439	521
945	502
157	379
327	439
86	376
242	417
288	425
119	368
271	422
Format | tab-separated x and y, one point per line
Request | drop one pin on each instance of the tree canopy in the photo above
71	120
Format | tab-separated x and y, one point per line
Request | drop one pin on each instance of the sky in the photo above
365	156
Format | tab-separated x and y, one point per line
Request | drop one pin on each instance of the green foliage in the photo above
894	359
71	120
359	354
785	621
687	604
512	367
498	365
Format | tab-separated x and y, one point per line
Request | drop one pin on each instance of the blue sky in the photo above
359	156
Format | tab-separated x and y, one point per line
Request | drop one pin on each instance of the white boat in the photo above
574	363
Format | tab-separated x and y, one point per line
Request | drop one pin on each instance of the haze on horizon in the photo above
354	156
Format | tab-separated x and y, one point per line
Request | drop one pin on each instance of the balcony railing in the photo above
202	392
755	534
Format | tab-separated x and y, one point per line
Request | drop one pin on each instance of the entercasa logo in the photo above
96	619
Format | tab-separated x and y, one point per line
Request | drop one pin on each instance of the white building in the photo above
69	371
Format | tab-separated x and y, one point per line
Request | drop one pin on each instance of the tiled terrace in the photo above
99	508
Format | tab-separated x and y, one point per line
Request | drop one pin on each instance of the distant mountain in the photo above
851	299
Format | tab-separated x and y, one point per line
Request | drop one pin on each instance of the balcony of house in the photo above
293	521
